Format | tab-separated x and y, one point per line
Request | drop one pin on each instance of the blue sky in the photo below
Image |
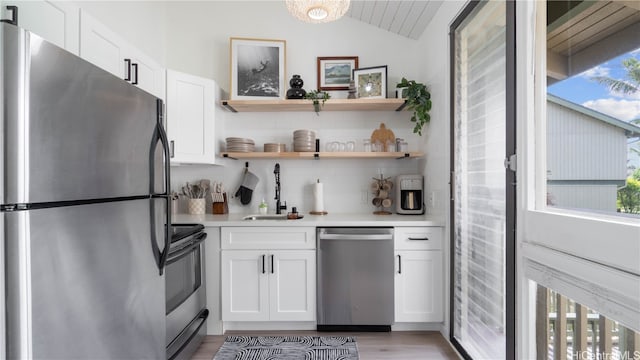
580	89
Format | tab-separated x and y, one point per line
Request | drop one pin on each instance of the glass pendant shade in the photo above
317	11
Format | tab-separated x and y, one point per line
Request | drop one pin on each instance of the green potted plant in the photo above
316	96
418	99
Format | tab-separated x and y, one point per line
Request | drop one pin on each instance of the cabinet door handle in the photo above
127	70
419	238
172	149
135	73
263	261
272	271
399	264
14	15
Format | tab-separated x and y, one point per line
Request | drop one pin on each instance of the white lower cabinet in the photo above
418	286
419	281
268	284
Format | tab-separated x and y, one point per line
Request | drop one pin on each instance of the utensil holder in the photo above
221	207
196	206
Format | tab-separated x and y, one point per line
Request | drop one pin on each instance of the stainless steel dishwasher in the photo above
355	279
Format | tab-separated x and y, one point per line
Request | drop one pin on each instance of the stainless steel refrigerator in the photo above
84	206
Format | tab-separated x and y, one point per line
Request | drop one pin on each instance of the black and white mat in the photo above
288	347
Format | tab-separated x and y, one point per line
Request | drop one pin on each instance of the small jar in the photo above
366	145
391	146
263	208
293	214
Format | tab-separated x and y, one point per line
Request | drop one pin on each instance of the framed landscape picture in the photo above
258	69
334	72
371	82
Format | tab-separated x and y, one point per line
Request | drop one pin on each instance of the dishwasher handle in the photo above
356	237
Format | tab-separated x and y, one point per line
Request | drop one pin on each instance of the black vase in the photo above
296	82
296	91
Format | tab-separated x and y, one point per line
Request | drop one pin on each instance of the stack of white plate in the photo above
235	144
304	141
271	147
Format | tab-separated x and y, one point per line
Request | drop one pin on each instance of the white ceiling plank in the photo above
407	18
417	8
423	21
378	12
367	11
389	14
400	17
355	10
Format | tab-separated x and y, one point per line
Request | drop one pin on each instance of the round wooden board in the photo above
383	135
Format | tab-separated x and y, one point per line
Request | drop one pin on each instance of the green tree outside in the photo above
629	196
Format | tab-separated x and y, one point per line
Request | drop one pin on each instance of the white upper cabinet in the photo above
56	22
106	49
190	118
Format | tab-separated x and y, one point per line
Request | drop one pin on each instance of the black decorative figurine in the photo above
296	91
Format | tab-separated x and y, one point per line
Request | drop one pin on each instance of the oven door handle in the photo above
202	317
184	251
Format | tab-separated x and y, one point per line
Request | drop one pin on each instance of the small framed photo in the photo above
371	82
334	72
257	69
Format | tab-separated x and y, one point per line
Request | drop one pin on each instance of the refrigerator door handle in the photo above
161	136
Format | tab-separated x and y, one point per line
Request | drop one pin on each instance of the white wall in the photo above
193	37
198	42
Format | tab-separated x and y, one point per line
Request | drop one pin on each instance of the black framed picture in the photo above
371	82
258	69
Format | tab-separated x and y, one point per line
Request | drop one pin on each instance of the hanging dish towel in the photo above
249	182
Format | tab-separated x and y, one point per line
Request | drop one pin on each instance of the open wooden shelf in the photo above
321	155
307	105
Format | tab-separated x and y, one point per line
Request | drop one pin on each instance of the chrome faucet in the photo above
279	205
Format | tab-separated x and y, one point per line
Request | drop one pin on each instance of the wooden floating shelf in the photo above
321	155
307	105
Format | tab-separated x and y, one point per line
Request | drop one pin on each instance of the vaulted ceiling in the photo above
408	18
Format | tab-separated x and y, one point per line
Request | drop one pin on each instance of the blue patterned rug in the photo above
288	347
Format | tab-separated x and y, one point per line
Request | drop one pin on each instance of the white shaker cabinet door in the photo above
292	285
146	73
245	285
111	52
190	118
55	21
103	47
419	286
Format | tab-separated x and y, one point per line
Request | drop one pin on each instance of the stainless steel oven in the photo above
185	291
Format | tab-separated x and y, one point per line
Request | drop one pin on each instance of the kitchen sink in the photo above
266	217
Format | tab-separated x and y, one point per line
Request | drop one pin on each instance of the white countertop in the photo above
314	220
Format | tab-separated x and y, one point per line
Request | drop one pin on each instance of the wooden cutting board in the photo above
383	135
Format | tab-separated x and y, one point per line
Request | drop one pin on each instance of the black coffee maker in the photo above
410	194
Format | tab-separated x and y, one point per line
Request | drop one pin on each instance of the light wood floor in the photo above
399	345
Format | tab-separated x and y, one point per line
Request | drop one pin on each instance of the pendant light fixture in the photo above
317	11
